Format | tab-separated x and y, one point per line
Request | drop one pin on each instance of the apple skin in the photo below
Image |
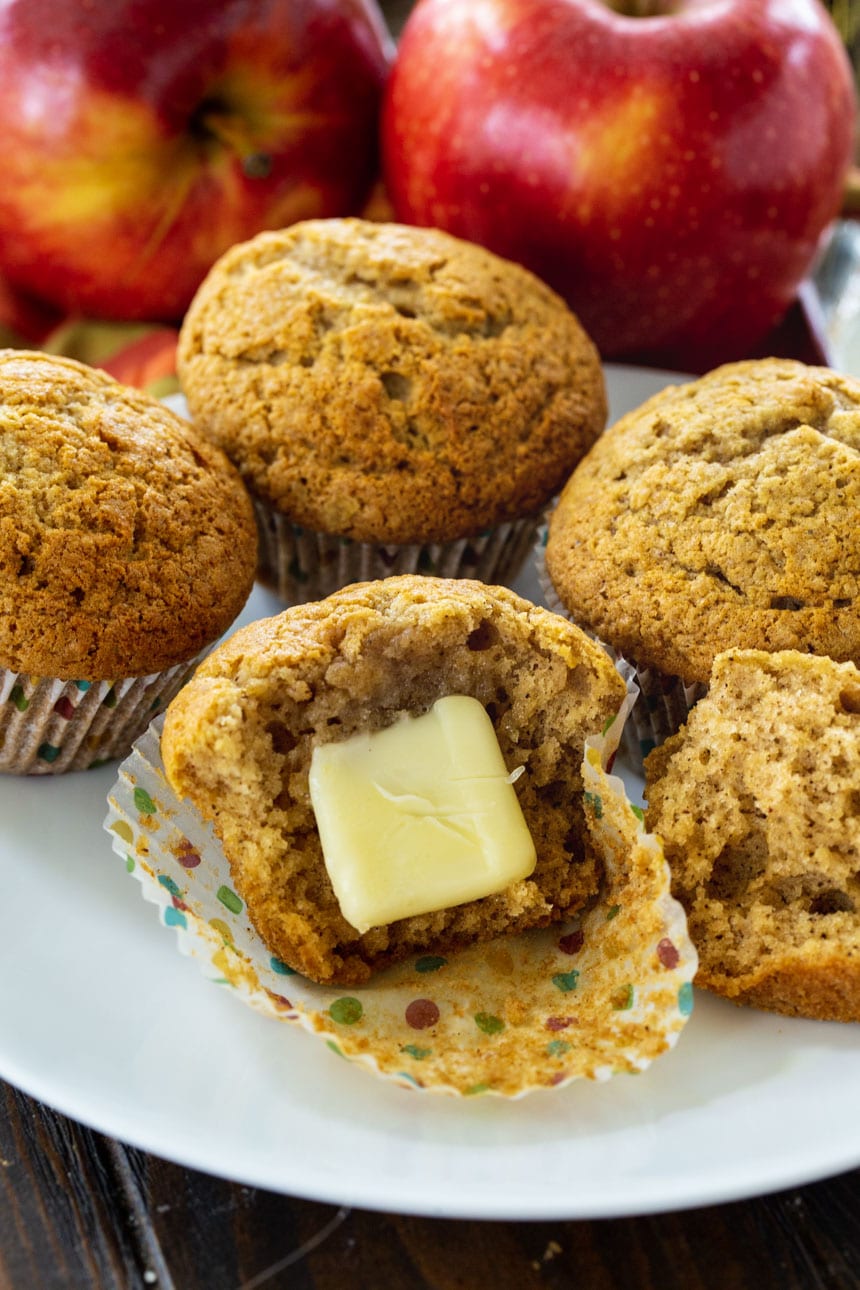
670	176
24	321
141	138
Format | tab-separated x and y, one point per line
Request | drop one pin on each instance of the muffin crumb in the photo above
757	800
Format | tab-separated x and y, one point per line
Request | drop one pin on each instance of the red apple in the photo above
148	362
24	321
141	138
669	174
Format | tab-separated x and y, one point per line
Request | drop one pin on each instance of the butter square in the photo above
420	816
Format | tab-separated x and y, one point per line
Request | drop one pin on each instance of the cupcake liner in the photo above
663	707
301	565
664	700
605	993
48	726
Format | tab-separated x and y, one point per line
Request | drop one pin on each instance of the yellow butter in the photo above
419	816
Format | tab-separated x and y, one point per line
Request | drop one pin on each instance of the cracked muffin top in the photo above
720	514
389	383
127	542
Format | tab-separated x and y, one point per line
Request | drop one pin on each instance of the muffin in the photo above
720	514
127	545
756	800
238	743
396	400
605	992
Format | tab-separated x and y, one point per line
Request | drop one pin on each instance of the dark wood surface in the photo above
78	1210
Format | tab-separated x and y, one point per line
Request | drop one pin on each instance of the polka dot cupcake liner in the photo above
49	726
302	565
606	993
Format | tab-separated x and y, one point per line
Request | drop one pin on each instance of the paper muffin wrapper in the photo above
607	992
664	701
302	565
663	706
48	726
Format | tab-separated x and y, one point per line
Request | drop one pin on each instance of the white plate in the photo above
102	1019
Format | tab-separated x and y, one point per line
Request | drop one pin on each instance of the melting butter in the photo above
419	816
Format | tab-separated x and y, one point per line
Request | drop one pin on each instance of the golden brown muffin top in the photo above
721	513
127	542
389	383
238	742
756	800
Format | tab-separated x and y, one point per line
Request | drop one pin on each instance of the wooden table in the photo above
78	1210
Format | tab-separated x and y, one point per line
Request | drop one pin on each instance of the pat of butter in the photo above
419	816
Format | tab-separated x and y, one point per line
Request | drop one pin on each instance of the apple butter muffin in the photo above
756	800
127	545
720	514
240	743
396	400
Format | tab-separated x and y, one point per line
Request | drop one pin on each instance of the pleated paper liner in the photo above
664	701
606	993
301	565
49	726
